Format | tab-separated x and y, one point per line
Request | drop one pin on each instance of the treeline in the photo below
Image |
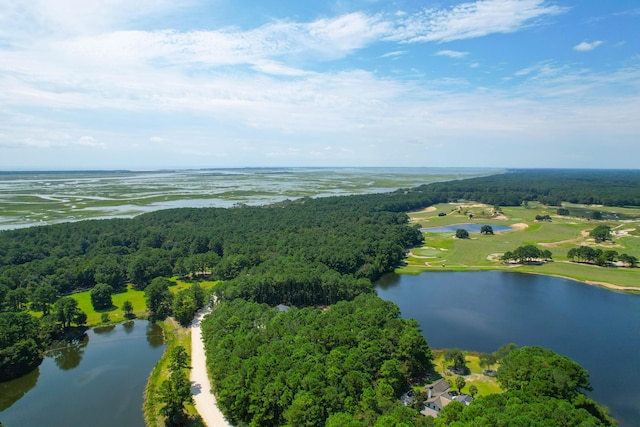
312	366
548	186
348	238
527	254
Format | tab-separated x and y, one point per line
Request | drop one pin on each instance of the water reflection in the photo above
104	330
154	335
68	354
103	380
128	326
12	391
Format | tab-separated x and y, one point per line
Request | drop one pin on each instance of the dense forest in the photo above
302	366
548	186
339	356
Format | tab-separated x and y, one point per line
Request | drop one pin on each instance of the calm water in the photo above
598	328
98	381
471	228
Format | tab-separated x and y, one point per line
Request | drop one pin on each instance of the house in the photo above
438	396
464	399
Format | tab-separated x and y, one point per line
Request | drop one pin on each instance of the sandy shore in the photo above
205	401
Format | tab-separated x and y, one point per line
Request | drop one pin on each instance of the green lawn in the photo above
442	251
136	297
486	385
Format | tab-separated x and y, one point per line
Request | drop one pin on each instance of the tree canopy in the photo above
298	367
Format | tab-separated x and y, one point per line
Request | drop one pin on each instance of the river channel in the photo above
97	381
479	311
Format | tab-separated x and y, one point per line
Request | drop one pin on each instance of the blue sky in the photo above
147	84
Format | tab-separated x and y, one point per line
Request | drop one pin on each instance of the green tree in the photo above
628	260
473	390
16	299
101	296
456	356
460	383
127	307
601	233
43	298
487	360
111	273
66	311
540	371
178	358
486	229
461	233
504	350
184	306
20	344
173	393
158	297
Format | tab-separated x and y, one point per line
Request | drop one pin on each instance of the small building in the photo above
464	399
438	396
282	307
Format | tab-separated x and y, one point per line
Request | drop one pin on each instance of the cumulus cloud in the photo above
586	46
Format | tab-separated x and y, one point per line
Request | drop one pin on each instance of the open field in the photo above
132	295
442	251
486	385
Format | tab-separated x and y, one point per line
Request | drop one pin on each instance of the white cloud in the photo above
89	141
452	53
274	88
585	46
394	54
473	19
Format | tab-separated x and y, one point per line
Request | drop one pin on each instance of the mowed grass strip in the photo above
174	335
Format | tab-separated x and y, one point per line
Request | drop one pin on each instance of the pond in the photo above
480	311
471	228
97	381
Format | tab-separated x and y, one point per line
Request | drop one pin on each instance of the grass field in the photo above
486	385
443	252
136	297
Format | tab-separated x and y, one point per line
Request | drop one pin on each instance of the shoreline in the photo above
609	286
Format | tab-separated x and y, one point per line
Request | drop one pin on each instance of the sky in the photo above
152	84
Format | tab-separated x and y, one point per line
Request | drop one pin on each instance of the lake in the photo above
471	228
480	311
97	381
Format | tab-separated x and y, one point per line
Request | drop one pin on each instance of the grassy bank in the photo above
175	335
444	252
